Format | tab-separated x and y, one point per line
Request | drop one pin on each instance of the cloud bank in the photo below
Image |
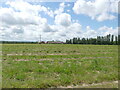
23	21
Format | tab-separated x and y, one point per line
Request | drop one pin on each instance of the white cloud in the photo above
9	16
108	30
29	8
114	6
26	23
17	30
105	16
75	26
97	9
61	9
88	28
90	33
48	28
21	23
63	19
68	10
68	5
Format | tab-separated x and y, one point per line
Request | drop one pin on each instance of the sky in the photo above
26	21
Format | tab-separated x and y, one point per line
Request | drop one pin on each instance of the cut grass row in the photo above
81	56
113	84
60	70
58	73
51	48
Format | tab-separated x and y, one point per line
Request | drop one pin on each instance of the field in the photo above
59	65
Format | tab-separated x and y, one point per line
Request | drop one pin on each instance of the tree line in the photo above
17	42
99	40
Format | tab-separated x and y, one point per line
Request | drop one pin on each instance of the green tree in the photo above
112	39
116	40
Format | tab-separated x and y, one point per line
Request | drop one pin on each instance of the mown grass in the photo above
54	65
108	85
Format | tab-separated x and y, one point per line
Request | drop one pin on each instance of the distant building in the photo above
54	42
42	42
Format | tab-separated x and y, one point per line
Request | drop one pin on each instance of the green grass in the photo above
108	85
54	65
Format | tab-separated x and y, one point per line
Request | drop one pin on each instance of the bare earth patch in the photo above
61	59
91	85
13	54
39	54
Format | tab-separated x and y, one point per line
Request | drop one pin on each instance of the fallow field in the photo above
59	65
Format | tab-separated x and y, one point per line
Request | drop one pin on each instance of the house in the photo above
42	42
54	42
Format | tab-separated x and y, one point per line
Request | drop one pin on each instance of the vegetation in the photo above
55	65
100	40
17	42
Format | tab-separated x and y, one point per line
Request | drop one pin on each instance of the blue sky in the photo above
25	21
83	19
